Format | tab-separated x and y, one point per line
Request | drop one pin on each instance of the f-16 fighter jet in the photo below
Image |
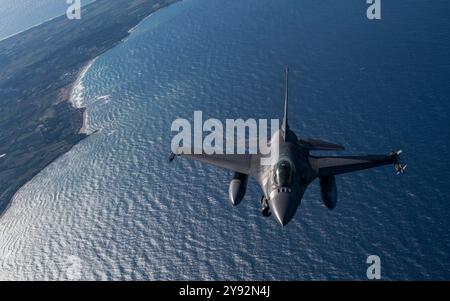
284	182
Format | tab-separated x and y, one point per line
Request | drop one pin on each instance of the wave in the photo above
77	94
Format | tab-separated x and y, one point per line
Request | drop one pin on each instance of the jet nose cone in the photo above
283	207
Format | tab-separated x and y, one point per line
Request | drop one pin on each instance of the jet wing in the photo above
330	166
245	164
317	144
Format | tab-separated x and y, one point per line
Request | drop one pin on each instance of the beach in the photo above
76	95
42	74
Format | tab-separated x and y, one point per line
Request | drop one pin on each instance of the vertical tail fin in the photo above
285	126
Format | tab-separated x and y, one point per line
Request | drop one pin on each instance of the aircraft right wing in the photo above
245	164
330	166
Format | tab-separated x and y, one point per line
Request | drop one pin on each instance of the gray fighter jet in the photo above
285	182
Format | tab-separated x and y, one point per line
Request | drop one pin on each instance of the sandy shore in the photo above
76	94
61	122
84	127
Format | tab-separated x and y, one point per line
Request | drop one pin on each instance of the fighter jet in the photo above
284	182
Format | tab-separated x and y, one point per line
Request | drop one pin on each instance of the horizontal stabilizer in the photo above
317	144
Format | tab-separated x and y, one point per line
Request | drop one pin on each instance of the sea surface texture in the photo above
113	208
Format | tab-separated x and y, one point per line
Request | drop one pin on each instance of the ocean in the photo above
115	209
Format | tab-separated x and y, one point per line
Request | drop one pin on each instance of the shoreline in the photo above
84	127
76	96
77	87
28	28
57	85
38	24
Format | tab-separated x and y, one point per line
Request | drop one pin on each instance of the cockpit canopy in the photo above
283	173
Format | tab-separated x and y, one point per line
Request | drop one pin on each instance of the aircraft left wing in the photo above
330	166
238	163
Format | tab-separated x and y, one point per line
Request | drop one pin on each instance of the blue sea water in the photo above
116	204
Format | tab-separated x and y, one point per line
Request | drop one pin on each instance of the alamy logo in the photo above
374	270
374	10
229	139
74	10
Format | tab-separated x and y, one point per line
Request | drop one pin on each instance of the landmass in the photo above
39	67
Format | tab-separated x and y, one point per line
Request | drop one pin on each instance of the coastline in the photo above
37	24
28	28
84	127
77	88
76	96
55	70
